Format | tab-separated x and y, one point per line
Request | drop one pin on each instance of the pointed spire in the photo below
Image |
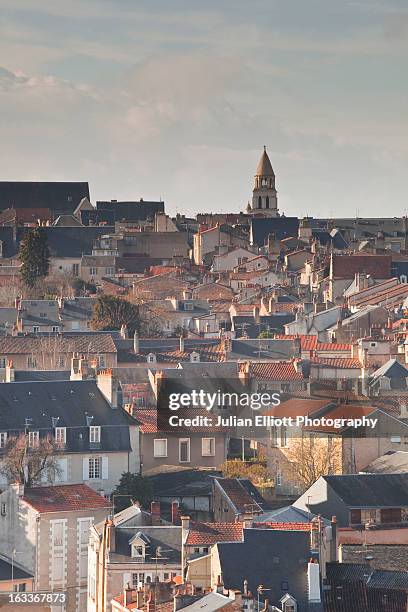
264	167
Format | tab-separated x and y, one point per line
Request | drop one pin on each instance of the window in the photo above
101	361
95	468
60	435
278	479
36	329
283	436
274	436
31	362
184	450
267	202
368	516
395	439
110	271
33	438
208	447
188	306
75	269
61	362
160	447
138	578
93	271
2	362
3	509
55	328
20	588
138	552
75	325
259	202
94	434
196	550
57	534
3	439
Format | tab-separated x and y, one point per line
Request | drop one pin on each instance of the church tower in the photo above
264	195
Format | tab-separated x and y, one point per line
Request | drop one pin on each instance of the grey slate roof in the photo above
71	402
245	324
276	559
371	490
269	348
59	343
70	241
168	538
183	483
7	571
57	196
391	369
288	514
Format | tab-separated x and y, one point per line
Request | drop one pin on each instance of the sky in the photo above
175	99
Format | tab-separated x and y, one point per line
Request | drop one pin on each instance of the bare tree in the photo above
30	465
314	456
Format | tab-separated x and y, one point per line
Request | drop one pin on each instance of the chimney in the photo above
219	587
313	582
123	331
79	367
175	515
185	526
181	344
111	540
107	386
185	523
333	542
136	343
266	606
244	372
155	512
150	605
245	587
127	595
256	315
10	373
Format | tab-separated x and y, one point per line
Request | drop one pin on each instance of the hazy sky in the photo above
175	98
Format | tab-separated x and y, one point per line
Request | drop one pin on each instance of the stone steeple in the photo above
264	195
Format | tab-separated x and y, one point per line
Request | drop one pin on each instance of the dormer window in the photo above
60	436
33	438
151	358
138	545
289	603
138	552
188	306
94	434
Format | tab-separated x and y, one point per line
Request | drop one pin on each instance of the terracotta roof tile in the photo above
63	498
284	526
281	370
205	534
333	347
238	495
307	343
337	362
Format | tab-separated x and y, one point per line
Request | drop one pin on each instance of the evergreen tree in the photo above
111	312
132	488
34	256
